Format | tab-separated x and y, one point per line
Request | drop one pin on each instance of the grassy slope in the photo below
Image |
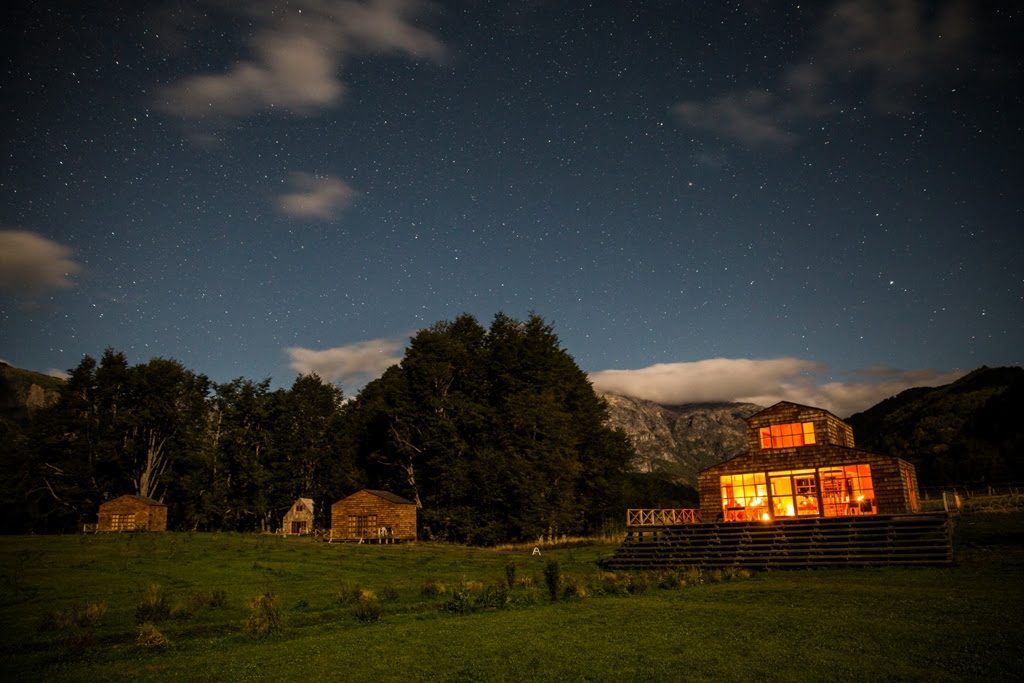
937	624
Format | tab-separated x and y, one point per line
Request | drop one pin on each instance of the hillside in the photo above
679	441
966	432
22	392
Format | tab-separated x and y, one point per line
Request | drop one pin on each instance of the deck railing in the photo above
662	517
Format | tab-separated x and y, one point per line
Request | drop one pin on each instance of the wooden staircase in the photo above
878	540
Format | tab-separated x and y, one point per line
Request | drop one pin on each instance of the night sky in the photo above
714	200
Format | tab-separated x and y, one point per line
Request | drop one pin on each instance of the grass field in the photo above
71	607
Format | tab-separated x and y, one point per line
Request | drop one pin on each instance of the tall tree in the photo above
495	433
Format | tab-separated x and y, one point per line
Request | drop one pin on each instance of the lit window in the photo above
847	490
787	435
744	497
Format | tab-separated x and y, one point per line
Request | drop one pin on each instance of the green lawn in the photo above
959	623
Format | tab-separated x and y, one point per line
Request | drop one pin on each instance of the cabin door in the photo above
795	493
298	527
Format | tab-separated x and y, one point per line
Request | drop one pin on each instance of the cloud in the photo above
897	44
319	197
890	47
31	264
58	373
765	382
351	364
746	116
298	56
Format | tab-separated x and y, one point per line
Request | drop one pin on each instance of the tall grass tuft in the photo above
264	616
152	606
84	616
366	607
149	636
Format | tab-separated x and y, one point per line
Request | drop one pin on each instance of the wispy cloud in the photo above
765	382
749	116
298	54
890	47
319	197
30	264
352	364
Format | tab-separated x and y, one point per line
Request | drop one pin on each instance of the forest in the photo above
494	432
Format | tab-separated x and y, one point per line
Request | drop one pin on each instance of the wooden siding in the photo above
828	429
894	480
132	513
374	510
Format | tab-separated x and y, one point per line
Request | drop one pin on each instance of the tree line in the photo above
494	432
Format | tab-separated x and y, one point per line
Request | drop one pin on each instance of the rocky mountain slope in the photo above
22	392
678	441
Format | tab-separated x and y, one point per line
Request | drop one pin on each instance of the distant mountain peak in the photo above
677	441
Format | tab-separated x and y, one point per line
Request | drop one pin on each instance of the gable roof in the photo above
307	502
388	496
780	404
140	499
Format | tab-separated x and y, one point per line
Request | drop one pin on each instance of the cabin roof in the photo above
140	499
307	502
776	406
390	497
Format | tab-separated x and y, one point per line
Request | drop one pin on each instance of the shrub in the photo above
264	616
433	588
459	602
367	608
90	614
152	606
76	615
637	584
734	573
552	578
574	591
494	596
150	636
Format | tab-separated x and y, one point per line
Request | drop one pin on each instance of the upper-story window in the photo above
787	435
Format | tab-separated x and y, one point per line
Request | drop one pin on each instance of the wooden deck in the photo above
881	540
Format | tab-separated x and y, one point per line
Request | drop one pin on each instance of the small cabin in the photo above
132	513
298	521
801	462
373	516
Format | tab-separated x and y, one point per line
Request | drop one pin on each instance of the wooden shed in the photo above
801	463
373	516
132	513
298	520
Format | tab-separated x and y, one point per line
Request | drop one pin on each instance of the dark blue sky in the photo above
819	202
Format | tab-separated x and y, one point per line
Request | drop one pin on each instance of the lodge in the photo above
373	516
801	463
132	513
801	495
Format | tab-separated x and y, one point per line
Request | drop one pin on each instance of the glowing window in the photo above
122	522
847	490
787	435
744	497
794	493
